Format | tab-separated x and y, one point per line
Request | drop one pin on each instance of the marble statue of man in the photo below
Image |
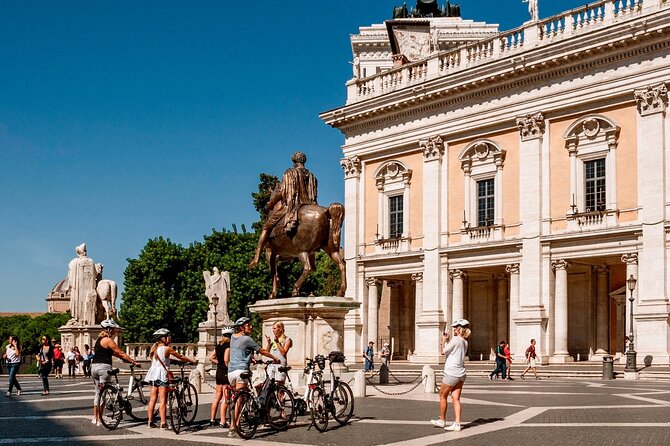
217	284
81	281
532	9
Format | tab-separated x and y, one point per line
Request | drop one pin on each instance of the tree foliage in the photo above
265	186
30	329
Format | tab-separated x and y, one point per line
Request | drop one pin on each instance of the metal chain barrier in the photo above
404	382
398	393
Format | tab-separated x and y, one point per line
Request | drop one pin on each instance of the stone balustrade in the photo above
140	350
531	35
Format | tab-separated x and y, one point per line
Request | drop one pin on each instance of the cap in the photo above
460	323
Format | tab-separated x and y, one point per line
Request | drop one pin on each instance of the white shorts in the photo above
532	362
451	381
234	377
275	373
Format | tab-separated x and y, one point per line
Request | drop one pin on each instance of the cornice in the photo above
522	69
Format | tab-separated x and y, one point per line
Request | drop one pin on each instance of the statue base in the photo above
74	335
315	324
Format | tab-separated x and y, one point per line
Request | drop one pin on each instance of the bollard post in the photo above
608	367
359	384
429	374
383	374
195	378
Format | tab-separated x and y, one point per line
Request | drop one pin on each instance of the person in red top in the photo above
531	356
508	357
59	360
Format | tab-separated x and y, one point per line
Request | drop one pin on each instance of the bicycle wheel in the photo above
319	409
342	403
246	408
110	407
174	403
279	408
136	404
189	398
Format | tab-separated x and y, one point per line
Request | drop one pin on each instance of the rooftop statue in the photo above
532	9
427	8
298	227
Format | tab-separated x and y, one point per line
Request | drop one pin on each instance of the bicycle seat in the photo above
283	369
245	375
113	372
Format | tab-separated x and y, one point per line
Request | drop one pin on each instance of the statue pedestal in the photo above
78	335
315	324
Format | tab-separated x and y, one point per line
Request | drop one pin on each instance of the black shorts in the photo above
222	378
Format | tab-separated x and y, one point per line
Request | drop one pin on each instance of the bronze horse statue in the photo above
318	228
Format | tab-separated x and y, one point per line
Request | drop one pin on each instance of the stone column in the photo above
353	236
561	354
502	313
652	337
372	284
457	311
602	312
515	345
531	317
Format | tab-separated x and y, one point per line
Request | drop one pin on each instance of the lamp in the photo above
214	302
631	355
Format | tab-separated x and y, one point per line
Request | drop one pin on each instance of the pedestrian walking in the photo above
87	357
12	357
454	374
508	357
45	362
71	362
158	373
531	358
105	348
222	394
501	362
369	357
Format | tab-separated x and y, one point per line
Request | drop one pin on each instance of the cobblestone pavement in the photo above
547	412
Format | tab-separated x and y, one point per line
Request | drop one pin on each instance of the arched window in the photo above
591	142
482	163
393	181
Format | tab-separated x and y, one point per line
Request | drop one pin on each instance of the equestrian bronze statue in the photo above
298	227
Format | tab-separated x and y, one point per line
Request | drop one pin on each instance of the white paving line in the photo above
642	398
594	425
488	403
46	417
198	437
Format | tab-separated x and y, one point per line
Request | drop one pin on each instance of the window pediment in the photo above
392	172
590	132
481	152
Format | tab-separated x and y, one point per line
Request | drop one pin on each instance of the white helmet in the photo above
227	331
161	332
109	323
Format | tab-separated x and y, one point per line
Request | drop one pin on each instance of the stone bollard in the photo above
429	374
383	374
195	378
359	384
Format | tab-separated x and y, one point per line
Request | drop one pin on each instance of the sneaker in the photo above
8	394
225	425
521	376
232	433
165	427
151	425
98	423
437	423
490	377
18	392
93	421
454	427
212	422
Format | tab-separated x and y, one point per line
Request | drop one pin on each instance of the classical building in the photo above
516	179
58	299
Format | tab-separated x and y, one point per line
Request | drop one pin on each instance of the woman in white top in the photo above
13	357
157	375
279	347
454	373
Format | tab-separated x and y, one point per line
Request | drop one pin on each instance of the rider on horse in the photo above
297	188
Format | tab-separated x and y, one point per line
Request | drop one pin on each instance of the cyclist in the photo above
242	349
157	375
222	385
105	348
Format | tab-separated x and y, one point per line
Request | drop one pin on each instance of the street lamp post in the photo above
631	355
214	303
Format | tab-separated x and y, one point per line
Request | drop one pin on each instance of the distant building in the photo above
58	300
514	179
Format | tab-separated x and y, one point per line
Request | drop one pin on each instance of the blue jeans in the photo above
501	367
13	370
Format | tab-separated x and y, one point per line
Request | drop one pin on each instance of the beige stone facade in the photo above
516	179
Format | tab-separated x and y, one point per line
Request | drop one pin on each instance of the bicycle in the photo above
339	402
113	403
182	400
274	405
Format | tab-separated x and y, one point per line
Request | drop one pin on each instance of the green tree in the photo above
30	329
266	184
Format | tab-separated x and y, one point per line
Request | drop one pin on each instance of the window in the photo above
595	185
395	216
485	202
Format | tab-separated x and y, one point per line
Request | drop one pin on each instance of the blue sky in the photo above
122	121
